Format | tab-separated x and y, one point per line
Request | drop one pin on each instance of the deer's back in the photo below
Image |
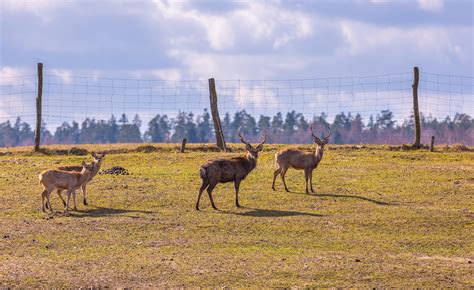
60	178
295	158
71	168
227	170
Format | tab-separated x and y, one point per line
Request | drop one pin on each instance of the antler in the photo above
327	137
240	135
264	139
312	133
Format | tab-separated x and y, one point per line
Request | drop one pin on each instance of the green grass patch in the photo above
379	218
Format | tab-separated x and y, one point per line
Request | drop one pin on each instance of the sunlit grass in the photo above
379	218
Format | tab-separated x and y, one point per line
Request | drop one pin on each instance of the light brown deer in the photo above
229	170
59	179
297	159
97	163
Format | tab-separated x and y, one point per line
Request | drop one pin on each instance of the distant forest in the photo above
291	128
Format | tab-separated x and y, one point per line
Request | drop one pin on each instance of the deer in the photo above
234	170
97	162
298	159
60	179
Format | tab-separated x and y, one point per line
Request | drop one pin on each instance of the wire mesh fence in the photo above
365	109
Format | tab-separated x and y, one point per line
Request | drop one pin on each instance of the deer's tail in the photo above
276	160
203	174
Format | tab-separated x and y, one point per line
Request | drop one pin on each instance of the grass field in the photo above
379	218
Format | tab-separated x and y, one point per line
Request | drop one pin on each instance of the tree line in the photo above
291	128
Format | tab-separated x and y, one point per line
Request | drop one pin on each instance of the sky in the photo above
179	41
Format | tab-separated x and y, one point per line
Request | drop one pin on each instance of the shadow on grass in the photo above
258	212
103	211
350	196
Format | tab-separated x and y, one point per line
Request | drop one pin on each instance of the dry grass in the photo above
379	218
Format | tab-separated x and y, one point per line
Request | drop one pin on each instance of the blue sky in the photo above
234	40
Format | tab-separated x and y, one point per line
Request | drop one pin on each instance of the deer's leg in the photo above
68	197
311	180
306	178
74	199
46	205
43	195
283	173
203	187
275	174
237	185
209	192
61	197
48	201
83	189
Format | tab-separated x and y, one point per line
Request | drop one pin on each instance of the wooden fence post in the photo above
432	143
215	115
39	101
416	110
183	145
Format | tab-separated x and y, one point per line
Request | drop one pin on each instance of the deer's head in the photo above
87	167
250	149
98	158
318	141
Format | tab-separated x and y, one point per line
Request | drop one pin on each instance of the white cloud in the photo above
259	98
170	74
13	75
254	22
431	5
441	43
64	74
17	93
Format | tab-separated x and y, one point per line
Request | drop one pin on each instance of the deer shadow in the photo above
349	196
103	211
258	212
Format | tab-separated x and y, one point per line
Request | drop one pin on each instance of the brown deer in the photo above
300	160
59	179
228	170
97	163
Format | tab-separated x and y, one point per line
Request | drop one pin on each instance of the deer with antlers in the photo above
297	159
229	170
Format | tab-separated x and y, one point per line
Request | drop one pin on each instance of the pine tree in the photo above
158	129
123	120
179	127
113	130
204	127
227	127
128	133
264	123
191	129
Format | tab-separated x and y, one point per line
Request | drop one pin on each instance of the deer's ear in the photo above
248	146
83	163
260	147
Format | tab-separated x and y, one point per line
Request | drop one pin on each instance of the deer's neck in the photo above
251	161
84	176
318	152
96	169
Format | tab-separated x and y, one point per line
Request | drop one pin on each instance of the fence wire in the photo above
75	98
